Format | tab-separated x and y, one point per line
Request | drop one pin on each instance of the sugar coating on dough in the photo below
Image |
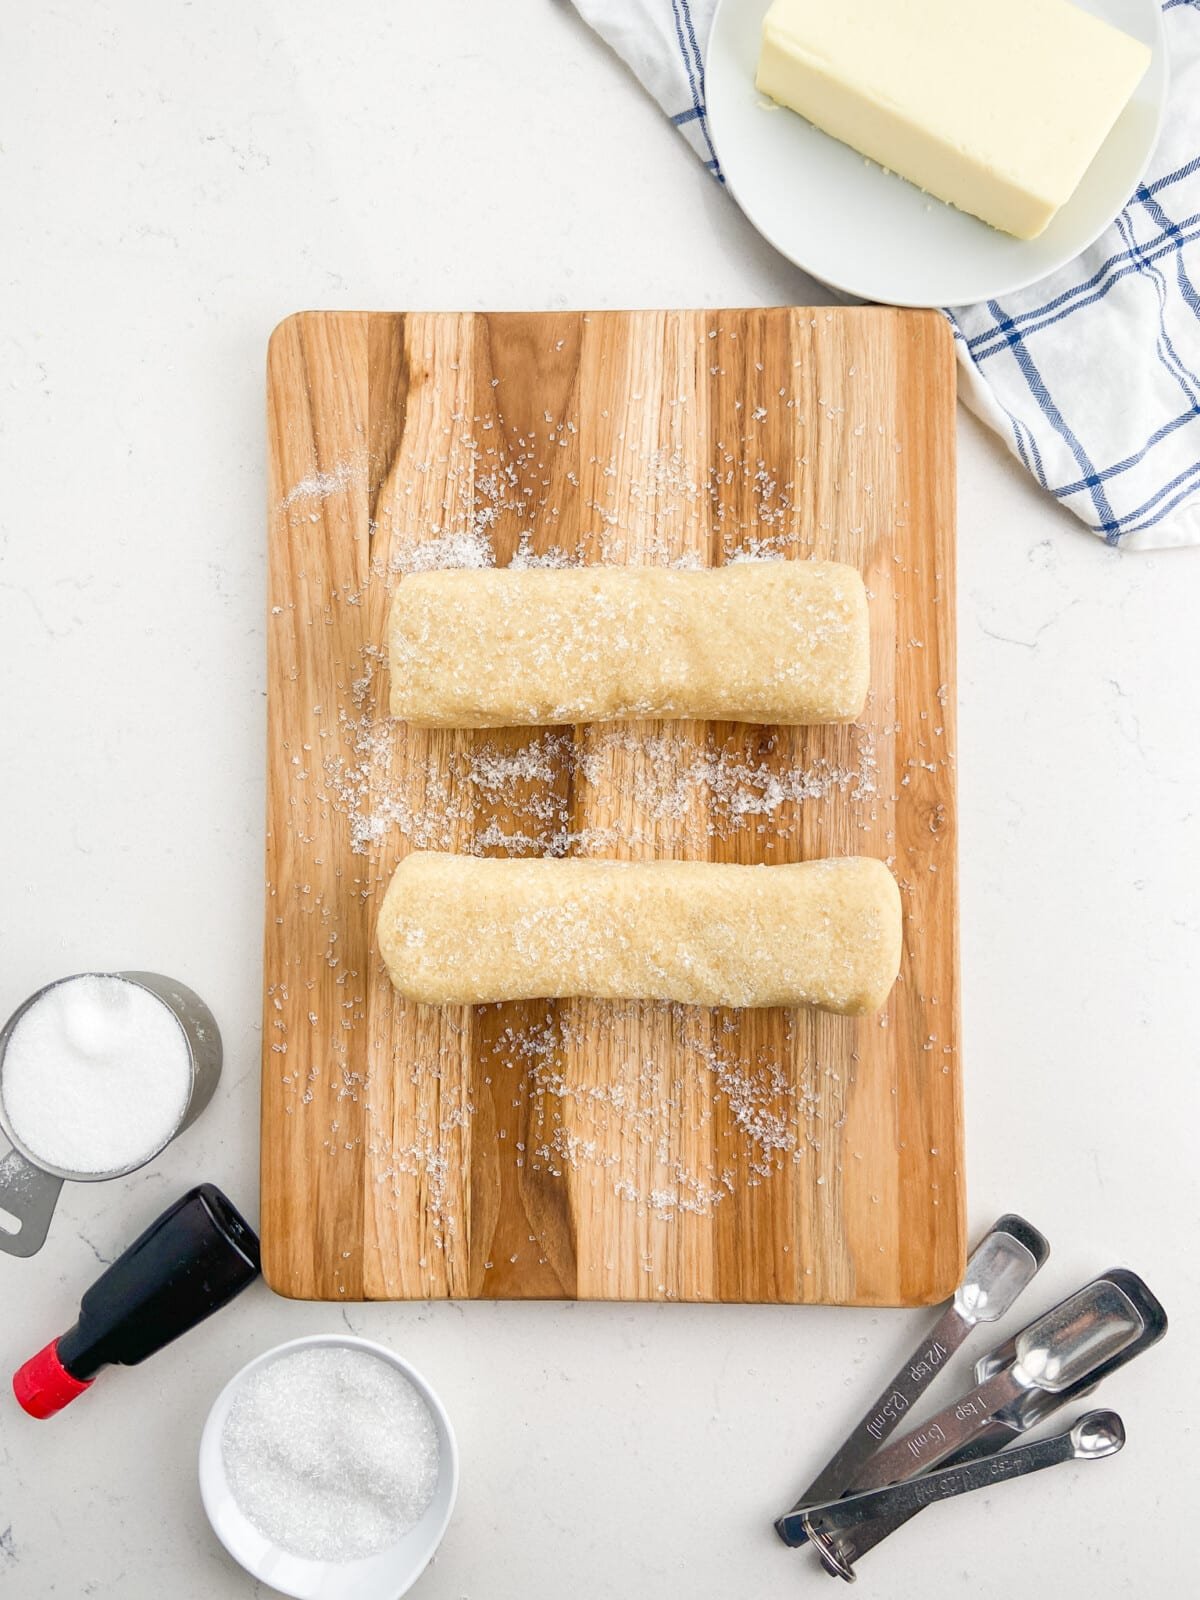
761	641
462	930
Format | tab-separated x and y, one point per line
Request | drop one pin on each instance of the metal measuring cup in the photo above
29	1186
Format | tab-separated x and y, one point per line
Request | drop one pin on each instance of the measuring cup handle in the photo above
27	1197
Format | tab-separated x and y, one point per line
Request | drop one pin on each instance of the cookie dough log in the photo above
461	930
756	641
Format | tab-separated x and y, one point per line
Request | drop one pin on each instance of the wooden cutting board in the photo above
576	1149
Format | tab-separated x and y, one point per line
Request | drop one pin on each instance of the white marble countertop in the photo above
175	178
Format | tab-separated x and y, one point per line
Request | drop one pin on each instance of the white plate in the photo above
868	232
385	1576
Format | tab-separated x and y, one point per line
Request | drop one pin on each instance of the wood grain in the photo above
579	1149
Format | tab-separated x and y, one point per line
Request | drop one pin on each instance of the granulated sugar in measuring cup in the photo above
98	1073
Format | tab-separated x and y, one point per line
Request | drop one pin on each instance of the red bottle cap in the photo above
43	1385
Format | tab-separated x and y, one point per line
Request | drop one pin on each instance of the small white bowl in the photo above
385	1576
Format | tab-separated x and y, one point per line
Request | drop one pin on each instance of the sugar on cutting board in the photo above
997	106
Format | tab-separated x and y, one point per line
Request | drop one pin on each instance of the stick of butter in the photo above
998	106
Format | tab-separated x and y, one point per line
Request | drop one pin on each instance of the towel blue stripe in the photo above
1163	344
1108	525
1114	269
1173	177
1168	428
1186	287
693	64
1159	184
1188	478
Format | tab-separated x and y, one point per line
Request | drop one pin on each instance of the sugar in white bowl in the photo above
97	1074
330	1445
330	1452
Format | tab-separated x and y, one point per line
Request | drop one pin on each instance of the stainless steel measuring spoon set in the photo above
875	1483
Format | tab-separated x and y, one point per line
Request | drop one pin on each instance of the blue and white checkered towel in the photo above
1092	377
